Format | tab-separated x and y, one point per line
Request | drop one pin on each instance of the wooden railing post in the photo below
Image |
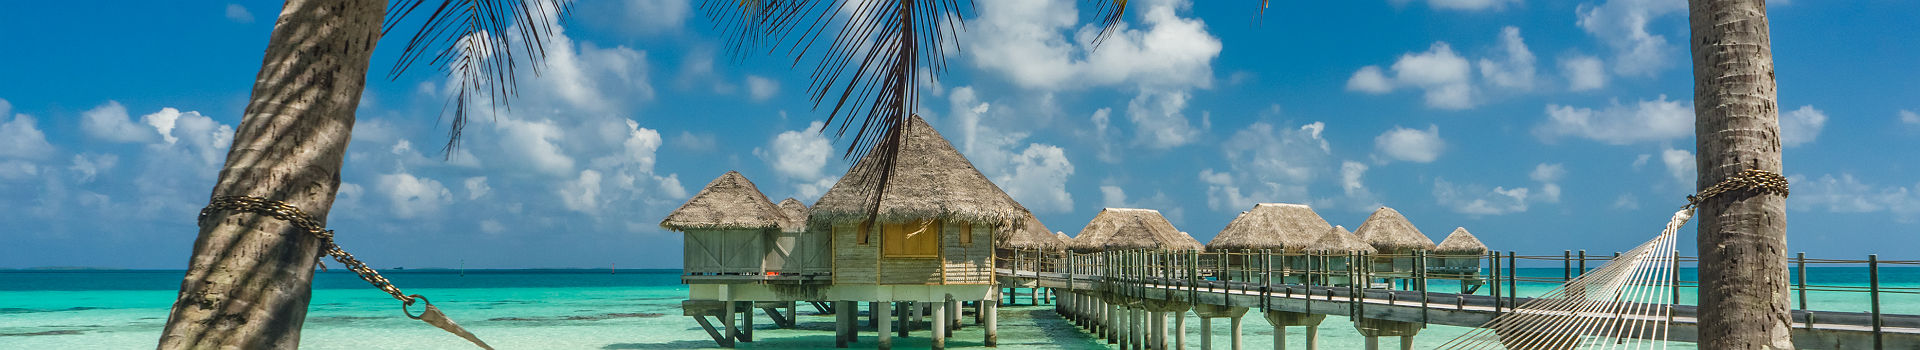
1513	280
1495	287
1873	288
1566	265
1801	274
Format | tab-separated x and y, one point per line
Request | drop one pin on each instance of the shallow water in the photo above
591	309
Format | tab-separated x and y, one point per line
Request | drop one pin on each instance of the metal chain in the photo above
1761	181
300	219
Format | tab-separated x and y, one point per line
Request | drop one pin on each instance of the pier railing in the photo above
1496	274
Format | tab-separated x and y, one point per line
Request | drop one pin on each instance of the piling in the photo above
992	314
939	326
883	330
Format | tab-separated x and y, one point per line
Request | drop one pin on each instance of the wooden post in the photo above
727	323
1495	288
746	324
883	330
953	316
1373	343
1406	342
1583	263
1279	337
793	316
1420	271
1513	279
1566	265
840	324
993	323
1206	333
1313	337
1180	330
939	325
853	321
1113	325
1873	289
1233	329
1801	279
1157	321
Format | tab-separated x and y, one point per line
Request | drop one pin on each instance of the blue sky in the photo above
1539	125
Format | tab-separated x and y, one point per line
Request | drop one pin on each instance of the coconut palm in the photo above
1743	237
249	280
870	56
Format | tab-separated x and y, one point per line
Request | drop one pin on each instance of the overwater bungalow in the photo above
1459	255
1278	228
1397	241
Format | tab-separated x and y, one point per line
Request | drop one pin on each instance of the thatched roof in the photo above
1138	234
796	214
1064	239
1032	235
1339	241
930	180
1276	226
1390	232
1093	237
729	202
1461	242
1111	222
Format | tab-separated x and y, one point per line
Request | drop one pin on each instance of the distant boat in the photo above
399	267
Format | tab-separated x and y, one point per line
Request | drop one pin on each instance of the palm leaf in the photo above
479	43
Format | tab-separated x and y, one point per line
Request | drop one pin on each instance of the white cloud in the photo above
1680	164
1104	135
1369	80
21	139
1411	145
492	226
703	142
1026	41
1909	117
18	170
581	194
533	146
1352	183
1648	120
1464	5
413	196
1624	25
1549	177
1583	72
1845	194
1445	77
799	154
1112	196
88	166
1801	126
800	157
1267	164
110	122
761	88
1039	179
239	14
1159	121
477	187
1626	201
1515	70
1477	200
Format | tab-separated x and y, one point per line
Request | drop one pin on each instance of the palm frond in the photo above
479	43
867	51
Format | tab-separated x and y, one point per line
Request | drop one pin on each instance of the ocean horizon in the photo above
624	309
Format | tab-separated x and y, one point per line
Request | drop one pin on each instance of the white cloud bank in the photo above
1411	145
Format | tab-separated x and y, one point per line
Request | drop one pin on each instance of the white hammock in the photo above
1624	304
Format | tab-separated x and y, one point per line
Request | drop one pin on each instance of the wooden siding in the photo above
971	262
724	251
854	263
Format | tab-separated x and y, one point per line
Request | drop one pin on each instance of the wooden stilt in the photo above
903	309
1234	336
919	313
1313	337
883	330
1406	342
840	325
1112	325
1126	330
1158	320
727	322
746	323
718	338
873	317
793	315
1180	330
1373	343
939	325
992	314
852	308
1206	333
1279	337
953	317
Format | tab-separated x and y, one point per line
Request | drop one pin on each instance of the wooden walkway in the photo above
1828	330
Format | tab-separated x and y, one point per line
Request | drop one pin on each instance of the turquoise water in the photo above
591	309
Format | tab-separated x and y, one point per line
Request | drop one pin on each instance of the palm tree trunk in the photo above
249	280
1743	238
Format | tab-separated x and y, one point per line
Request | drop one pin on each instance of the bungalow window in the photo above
916	239
966	233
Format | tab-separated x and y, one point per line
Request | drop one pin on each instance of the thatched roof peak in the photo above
1276	226
1139	234
728	202
1032	235
1109	222
796	214
929	180
1390	232
1461	242
1337	240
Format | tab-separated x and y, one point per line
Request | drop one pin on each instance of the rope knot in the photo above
1758	181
